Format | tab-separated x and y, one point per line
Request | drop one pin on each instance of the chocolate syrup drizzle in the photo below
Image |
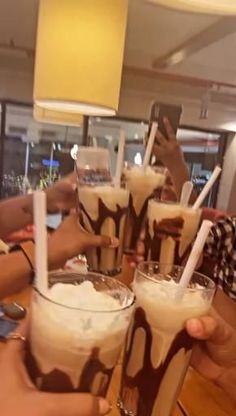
59	382
137	220
147	381
103	213
168	227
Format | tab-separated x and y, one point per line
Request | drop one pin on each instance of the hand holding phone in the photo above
160	111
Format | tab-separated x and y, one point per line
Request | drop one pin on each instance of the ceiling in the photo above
183	47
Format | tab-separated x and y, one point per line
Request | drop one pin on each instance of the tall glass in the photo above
76	337
143	184
104	210
93	164
158	348
170	231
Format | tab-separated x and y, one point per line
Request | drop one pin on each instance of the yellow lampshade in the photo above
79	55
57	117
221	7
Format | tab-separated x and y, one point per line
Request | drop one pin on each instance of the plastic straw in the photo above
207	188
186	193
120	159
40	241
150	144
195	253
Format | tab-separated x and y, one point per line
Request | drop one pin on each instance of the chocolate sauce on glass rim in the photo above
168	227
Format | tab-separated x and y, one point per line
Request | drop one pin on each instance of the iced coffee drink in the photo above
158	348
143	184
170	231
104	211
77	331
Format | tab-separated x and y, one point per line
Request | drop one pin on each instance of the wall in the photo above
16	85
226	196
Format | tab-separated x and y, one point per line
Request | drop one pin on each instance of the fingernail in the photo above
195	326
104	407
114	242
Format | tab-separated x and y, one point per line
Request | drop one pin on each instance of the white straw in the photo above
186	193
95	142
120	159
40	241
207	188
150	144
195	253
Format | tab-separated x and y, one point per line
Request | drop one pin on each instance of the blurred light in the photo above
138	159
74	151
54	146
59	147
79	55
98	119
136	136
32	144
108	137
48	163
57	117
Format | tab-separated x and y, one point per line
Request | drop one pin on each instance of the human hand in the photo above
70	239
61	197
19	396
214	356
167	149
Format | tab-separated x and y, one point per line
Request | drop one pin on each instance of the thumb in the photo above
209	329
74	404
102	241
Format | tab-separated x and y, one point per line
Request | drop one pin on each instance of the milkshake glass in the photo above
93	165
143	184
77	332
104	209
158	348
170	231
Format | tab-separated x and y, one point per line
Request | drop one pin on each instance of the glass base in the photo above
123	410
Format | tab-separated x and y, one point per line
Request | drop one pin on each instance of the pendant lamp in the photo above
79	55
43	115
221	7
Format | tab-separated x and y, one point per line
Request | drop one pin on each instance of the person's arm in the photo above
16	213
214	357
168	151
69	240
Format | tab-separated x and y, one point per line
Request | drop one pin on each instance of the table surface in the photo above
198	397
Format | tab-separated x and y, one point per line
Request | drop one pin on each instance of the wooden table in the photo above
198	397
